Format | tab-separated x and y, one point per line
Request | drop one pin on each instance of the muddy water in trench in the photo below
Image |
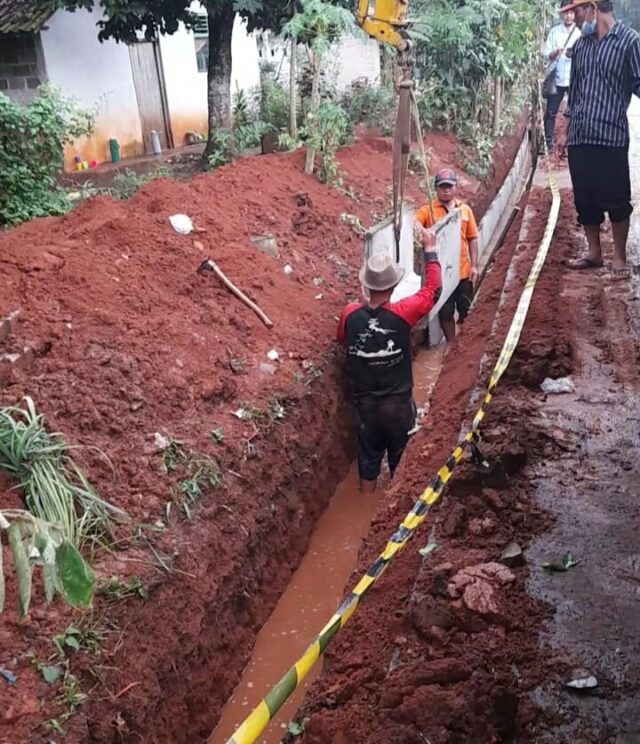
314	591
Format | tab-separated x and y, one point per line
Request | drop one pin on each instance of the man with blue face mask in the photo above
605	72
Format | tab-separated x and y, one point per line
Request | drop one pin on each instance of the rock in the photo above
429	613
477	586
493	499
267	369
512	555
267	244
455	522
484	526
439	585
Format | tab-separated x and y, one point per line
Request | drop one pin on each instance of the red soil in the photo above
129	341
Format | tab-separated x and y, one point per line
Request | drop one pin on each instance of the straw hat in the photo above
380	272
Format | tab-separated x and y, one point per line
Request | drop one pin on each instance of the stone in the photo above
512	555
477	586
455	521
267	244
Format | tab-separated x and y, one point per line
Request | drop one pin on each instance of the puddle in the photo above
314	591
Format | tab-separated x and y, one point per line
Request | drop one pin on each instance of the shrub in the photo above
326	133
32	140
373	106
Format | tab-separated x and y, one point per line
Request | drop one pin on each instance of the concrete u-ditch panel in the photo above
380	239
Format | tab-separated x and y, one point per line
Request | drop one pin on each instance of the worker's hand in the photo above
473	276
555	53
428	240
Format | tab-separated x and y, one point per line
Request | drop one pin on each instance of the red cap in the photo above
446	175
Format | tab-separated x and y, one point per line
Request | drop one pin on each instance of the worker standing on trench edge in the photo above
461	298
377	335
556	50
605	72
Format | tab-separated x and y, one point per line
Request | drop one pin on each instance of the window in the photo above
201	34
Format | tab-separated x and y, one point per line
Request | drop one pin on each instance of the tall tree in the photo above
128	20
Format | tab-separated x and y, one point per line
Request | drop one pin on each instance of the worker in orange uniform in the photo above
461	298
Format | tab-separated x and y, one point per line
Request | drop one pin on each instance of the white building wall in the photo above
96	75
187	88
355	59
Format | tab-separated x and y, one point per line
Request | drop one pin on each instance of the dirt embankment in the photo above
129	341
445	649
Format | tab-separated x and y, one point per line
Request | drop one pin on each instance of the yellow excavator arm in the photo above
385	21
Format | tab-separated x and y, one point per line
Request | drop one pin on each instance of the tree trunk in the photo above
386	67
313	113
497	105
293	100
219	72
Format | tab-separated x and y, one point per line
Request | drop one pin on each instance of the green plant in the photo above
126	183
34	542
116	590
373	106
286	142
86	636
32	141
475	149
70	696
53	487
220	148
325	133
462	48
318	24
242	109
200	473
272	102
249	135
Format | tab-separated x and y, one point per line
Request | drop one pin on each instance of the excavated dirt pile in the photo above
119	339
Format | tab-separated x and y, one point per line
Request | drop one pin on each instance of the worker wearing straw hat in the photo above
377	336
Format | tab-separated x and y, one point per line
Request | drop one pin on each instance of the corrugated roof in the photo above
23	16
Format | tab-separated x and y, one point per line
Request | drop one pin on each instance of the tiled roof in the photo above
23	16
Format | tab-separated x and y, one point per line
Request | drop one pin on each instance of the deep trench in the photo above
209	635
315	588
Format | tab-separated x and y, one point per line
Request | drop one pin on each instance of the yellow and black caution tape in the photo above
257	721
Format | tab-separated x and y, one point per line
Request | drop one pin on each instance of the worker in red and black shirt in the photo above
377	337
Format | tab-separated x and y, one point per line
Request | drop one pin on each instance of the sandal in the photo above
581	264
619	274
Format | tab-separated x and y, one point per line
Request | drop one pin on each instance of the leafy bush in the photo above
326	133
249	135
373	106
242	110
32	140
220	148
475	149
273	108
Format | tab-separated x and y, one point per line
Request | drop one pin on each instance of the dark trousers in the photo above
600	178
383	428
553	106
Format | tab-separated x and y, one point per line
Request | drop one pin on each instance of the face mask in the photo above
589	27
